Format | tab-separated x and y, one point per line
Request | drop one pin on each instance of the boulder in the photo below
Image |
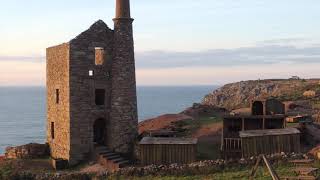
309	94
2	157
28	151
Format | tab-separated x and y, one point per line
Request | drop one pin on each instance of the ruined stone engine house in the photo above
91	91
262	132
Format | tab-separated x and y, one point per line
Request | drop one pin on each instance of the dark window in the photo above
257	108
100	96
52	130
57	96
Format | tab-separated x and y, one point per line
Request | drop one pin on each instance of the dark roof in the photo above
268	132
172	141
98	26
276	116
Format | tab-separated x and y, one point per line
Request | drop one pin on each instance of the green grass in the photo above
294	96
292	125
228	174
187	127
209	120
315	103
5	170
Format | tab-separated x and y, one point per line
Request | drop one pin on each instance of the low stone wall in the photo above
27	151
197	168
203	167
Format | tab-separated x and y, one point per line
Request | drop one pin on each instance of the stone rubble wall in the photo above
28	151
196	168
202	167
58	113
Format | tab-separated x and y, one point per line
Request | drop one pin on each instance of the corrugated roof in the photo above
268	132
161	140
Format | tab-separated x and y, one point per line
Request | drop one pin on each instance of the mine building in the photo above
164	150
244	135
91	94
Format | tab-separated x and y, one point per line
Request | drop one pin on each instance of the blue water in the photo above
23	109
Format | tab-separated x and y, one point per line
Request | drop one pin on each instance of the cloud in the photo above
223	75
268	52
284	41
37	58
256	55
217	66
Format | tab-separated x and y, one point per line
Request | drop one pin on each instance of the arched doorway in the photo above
99	128
257	108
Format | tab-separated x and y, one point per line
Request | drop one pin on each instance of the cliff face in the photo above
238	95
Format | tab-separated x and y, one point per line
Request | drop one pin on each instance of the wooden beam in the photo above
243	129
272	172
255	168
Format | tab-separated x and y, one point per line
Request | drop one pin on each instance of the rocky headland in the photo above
238	95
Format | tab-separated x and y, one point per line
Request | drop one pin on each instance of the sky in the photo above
177	42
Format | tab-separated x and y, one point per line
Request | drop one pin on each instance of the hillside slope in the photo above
238	95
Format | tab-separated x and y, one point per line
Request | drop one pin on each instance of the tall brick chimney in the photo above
123	9
124	115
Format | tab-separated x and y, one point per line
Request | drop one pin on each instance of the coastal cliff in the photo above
238	95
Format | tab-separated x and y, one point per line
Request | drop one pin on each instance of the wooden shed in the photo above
270	141
160	150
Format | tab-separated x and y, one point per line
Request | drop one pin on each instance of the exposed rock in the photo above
238	95
27	151
309	94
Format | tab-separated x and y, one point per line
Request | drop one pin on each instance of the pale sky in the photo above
177	42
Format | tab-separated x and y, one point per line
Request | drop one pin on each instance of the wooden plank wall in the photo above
253	146
232	145
167	154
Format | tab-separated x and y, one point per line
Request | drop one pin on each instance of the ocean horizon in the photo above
23	109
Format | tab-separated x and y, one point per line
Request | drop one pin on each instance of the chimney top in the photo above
123	9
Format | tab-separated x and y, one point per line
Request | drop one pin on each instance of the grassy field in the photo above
228	174
241	173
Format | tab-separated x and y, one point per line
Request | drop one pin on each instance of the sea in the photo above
23	109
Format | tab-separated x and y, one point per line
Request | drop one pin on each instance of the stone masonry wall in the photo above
84	111
124	118
27	151
58	78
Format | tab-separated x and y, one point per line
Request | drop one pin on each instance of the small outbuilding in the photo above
269	141
161	150
266	115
